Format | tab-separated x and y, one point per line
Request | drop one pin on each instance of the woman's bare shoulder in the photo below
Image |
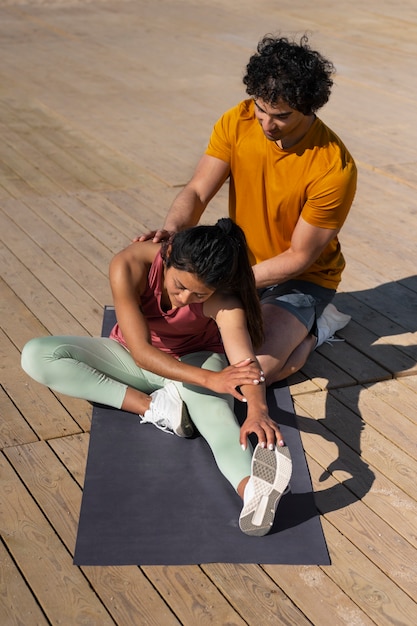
144	251
221	302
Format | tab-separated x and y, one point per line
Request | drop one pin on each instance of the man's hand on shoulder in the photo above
156	236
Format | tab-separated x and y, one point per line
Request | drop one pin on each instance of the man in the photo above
292	183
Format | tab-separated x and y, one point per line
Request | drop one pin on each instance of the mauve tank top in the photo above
179	331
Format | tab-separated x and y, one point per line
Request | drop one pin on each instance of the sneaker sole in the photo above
271	477
185	428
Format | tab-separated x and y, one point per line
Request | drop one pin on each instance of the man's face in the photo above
279	121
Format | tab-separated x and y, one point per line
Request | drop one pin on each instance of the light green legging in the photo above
99	370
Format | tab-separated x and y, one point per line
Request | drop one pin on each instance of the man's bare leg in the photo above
287	344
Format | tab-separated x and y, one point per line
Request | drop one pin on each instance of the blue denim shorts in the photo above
303	299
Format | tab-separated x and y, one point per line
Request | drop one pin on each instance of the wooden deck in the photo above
105	107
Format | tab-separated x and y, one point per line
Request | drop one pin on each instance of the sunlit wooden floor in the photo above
105	107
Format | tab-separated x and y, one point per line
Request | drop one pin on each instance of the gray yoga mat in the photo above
151	498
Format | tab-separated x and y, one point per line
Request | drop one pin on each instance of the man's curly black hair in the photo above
294	73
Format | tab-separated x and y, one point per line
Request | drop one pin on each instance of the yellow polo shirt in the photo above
270	187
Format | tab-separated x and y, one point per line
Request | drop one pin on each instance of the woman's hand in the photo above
246	372
259	423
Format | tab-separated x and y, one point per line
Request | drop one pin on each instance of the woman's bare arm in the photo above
128	274
231	320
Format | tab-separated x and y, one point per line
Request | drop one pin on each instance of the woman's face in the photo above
184	288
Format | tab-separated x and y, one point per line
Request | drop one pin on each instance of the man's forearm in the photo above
279	269
185	211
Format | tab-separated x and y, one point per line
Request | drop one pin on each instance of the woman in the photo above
185	309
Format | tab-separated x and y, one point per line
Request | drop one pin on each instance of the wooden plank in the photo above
111	168
104	209
68	291
149	207
104	226
23	139
300	383
358	479
395	192
72	452
89	246
250	591
391	298
70	157
72	154
367	584
379	580
370	311
12	185
30	291
374	448
45	415
14	429
361	368
363	530
20	325
129	597
399	360
385	419
395	254
124	591
321	600
44	134
357	276
372	148
401	395
61	590
16	135
17	321
54	490
17	605
396	359
74	82
409	383
382	339
193	598
27	171
327	374
51	244
410	283
375	258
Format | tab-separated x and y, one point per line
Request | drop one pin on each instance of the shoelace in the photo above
161	423
333	339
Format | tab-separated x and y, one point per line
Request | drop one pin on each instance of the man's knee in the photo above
276	369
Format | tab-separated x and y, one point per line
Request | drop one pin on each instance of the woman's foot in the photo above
168	412
270	475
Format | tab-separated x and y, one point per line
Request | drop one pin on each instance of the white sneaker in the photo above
168	412
329	322
270	475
